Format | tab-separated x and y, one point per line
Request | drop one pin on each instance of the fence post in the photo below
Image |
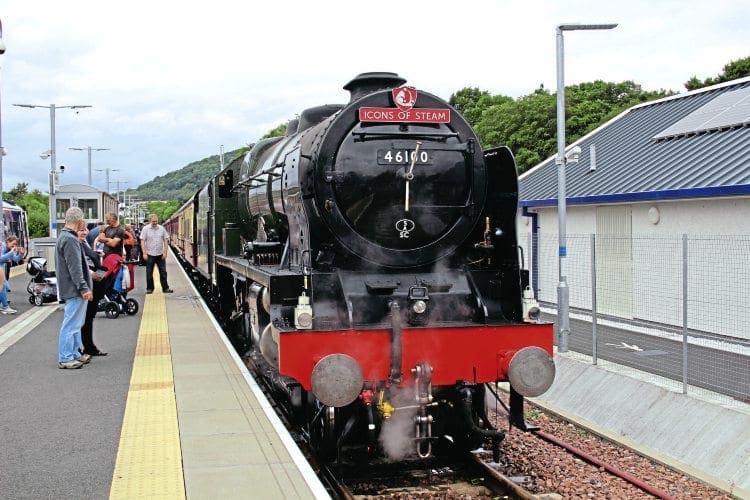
684	313
594	352
529	263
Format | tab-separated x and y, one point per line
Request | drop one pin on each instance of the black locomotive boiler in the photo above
367	262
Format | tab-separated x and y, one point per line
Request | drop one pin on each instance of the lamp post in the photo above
53	159
2	153
133	204
106	174
118	192
89	149
563	292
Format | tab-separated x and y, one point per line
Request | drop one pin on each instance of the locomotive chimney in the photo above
367	83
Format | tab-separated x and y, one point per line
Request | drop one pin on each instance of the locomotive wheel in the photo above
38	300
111	310
324	433
131	307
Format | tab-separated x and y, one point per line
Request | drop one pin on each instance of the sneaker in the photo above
149	291
69	365
168	290
84	359
7	310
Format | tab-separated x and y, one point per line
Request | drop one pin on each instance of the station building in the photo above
92	201
661	189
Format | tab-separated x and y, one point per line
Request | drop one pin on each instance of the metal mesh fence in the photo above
675	309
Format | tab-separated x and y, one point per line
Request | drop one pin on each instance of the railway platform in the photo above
170	412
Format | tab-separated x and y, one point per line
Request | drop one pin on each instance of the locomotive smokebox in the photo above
337	380
367	83
531	371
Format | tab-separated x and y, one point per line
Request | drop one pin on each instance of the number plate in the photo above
402	157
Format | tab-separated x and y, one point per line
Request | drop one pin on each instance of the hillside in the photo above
183	183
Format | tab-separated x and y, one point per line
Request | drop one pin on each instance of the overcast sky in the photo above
171	81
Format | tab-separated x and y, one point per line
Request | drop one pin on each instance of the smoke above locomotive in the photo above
371	250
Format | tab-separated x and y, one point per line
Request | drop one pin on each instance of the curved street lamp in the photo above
89	149
563	292
53	160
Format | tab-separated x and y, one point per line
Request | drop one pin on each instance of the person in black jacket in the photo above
87	330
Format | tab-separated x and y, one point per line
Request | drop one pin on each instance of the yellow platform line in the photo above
149	458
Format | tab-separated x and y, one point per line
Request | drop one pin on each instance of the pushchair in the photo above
118	281
43	284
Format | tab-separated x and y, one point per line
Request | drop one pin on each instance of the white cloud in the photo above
170	81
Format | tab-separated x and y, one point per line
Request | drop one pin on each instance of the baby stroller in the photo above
118	281
43	285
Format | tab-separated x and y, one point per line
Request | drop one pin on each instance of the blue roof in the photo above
632	165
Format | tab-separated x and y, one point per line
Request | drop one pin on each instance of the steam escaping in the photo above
397	433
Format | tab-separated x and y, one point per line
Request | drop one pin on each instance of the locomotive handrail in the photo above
371	136
246	182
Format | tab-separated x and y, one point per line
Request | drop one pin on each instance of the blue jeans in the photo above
4	293
70	330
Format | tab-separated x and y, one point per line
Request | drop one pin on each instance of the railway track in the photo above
464	476
571	461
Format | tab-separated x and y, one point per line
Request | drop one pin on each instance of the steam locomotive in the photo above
367	262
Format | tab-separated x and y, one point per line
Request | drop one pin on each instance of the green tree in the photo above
733	70
17	192
528	125
279	131
471	102
36	205
162	209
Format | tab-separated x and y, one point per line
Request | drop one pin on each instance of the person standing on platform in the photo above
128	242
138	253
154	246
113	235
87	330
93	238
10	253
74	287
4	304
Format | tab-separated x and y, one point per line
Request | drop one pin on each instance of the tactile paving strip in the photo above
149	459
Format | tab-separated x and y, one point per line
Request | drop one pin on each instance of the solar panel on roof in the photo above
730	109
